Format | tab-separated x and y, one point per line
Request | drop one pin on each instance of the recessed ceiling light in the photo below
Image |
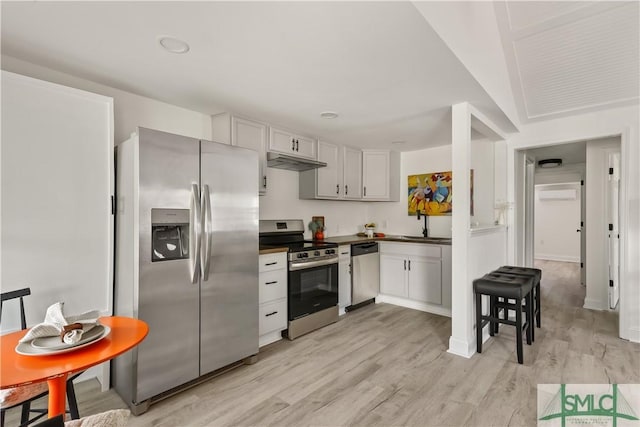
549	163
173	45
398	142
328	115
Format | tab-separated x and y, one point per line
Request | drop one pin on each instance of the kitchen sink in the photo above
435	240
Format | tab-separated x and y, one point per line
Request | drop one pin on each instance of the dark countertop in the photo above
345	240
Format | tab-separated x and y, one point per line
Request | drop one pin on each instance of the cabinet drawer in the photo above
411	249
273	316
273	285
269	262
344	253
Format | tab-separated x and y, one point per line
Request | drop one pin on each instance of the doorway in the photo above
581	179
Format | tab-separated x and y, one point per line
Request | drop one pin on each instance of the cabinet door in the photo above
328	177
393	275
352	173
252	135
282	141
425	280
344	283
305	147
375	174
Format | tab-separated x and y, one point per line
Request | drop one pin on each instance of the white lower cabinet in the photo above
272	282
416	276
344	277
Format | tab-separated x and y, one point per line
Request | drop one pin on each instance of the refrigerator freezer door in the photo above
167	298
229	297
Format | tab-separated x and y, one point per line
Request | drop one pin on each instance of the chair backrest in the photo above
20	293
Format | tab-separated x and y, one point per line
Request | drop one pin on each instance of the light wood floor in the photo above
384	365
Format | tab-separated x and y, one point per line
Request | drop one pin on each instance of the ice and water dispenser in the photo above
169	234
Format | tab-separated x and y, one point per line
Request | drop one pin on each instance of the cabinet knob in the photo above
337	188
293	144
264	180
346	189
405	264
297	145
365	191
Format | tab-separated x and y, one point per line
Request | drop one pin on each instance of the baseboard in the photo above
634	334
269	338
461	347
416	305
594	304
561	258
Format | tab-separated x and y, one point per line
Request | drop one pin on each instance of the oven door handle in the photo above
293	266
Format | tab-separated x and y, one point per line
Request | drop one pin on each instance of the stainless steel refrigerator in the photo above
186	259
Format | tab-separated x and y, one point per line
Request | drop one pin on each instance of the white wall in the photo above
130	110
597	262
561	174
281	202
623	121
438	159
394	214
556	222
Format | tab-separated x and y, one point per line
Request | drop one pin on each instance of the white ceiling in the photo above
378	64
572	153
571	57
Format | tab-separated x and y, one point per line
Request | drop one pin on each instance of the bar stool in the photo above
536	273
508	287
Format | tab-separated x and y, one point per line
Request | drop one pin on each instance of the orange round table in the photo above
17	370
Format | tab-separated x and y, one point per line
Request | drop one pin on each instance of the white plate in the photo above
92	336
55	343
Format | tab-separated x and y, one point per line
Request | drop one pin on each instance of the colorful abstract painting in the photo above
431	193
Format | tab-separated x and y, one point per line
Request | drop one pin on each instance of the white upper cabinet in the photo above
341	179
286	142
245	133
352	173
380	175
329	177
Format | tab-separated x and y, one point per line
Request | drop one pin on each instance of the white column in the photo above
462	341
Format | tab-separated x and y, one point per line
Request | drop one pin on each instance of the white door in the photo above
329	177
352	173
252	135
583	234
425	280
613	221
375	172
393	275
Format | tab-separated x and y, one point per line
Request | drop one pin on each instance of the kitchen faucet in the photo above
425	230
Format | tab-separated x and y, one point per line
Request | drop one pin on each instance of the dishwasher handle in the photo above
364	248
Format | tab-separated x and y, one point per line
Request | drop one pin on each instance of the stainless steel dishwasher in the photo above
365	261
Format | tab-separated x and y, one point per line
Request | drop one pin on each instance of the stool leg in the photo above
532	314
493	312
538	304
519	334
479	323
528	311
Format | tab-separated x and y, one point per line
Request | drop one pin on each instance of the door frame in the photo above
516	233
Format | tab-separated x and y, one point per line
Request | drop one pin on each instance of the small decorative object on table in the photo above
317	227
370	229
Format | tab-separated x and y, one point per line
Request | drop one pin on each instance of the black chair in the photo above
23	396
501	289
536	273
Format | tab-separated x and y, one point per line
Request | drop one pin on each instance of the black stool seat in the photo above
536	273
501	288
503	285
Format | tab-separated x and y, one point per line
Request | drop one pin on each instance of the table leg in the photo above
57	395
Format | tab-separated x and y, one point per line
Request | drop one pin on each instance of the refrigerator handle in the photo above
195	230
207	232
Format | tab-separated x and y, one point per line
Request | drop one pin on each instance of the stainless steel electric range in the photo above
312	275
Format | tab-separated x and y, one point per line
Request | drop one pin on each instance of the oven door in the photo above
312	288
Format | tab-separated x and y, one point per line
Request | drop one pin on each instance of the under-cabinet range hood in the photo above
283	161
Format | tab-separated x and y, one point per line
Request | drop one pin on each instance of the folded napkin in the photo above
56	324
